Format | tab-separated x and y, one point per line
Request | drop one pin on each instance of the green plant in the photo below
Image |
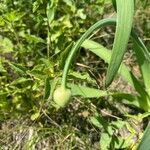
36	37
123	31
30	43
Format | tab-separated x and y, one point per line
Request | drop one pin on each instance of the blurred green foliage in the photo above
33	34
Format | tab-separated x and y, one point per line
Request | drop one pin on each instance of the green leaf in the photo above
21	80
35	116
145	143
47	88
36	5
82	76
87	92
125	11
114	4
143	59
105	54
140	45
18	68
144	66
95	122
50	13
13	16
2	69
75	48
70	3
33	38
100	122
38	72
81	14
6	45
2	22
105	141
64	55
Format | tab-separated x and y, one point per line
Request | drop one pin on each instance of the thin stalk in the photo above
48	43
48	37
73	51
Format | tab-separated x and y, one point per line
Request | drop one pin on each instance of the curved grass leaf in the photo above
143	59
144	67
97	25
139	43
125	11
75	48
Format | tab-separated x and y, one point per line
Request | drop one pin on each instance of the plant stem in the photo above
99	24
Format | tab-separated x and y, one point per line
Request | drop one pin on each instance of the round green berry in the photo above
61	96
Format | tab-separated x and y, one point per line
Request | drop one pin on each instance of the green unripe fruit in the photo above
61	96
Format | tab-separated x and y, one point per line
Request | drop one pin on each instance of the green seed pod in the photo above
61	96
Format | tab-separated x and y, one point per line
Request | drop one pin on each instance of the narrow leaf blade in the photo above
125	11
143	60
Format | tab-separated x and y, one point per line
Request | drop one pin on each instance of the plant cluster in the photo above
38	45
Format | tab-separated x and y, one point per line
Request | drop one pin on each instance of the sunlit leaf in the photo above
50	13
6	45
125	11
87	92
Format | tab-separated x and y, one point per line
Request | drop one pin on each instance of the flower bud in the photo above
61	96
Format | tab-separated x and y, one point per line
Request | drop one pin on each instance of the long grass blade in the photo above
75	48
137	41
125	11
144	66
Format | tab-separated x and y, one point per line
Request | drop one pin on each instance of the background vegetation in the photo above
34	38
